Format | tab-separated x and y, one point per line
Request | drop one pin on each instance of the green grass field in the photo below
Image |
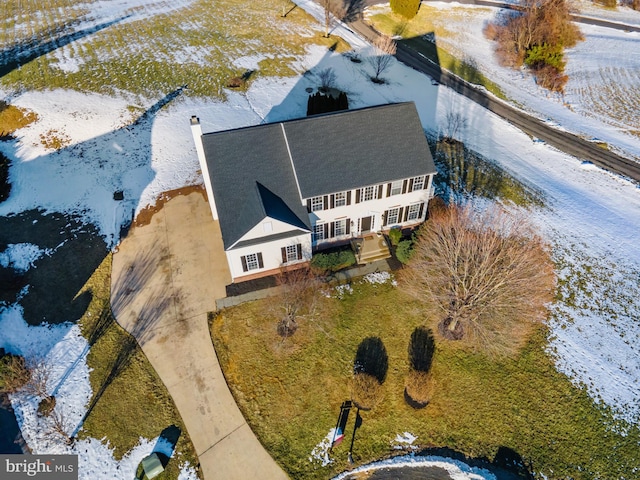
290	392
155	51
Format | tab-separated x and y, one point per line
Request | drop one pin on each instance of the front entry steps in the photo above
370	247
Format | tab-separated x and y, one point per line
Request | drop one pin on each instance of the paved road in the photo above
576	18
409	52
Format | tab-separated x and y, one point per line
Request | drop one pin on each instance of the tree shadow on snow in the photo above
71	248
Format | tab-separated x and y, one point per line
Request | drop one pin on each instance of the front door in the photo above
365	224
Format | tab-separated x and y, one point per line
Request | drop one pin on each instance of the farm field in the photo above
106	89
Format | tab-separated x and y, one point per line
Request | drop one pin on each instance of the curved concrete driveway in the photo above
166	276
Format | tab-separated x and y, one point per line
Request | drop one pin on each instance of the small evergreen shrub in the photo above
404	251
395	234
323	263
545	54
46	406
419	386
406	8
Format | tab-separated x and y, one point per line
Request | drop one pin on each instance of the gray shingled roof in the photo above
252	175
352	149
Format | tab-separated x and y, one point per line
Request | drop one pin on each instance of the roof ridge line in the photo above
293	167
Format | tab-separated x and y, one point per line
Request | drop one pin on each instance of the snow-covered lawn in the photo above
602	94
592	218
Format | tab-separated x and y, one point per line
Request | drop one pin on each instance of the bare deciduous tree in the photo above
59	426
14	373
488	275
299	291
332	9
454	124
385	47
39	381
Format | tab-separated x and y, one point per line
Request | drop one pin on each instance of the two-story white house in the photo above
284	190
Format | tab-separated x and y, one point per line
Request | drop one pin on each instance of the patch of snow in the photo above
320	453
63	373
456	469
21	256
404	441
343	290
379	278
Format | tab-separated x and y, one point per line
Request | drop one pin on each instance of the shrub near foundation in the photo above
323	263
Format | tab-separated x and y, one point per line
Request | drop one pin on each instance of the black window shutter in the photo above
410	184
309	206
406	214
400	211
421	210
260	263
332	203
349	197
243	259
379	191
299	251
388	189
358	195
404	186
426	182
348	227
384	218
325	202
284	254
326	230
333	229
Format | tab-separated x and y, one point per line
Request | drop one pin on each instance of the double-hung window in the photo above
317	203
392	216
396	187
251	261
340	227
414	211
318	232
368	193
418	183
340	199
291	253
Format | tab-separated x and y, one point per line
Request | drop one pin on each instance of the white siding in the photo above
196	131
260	231
374	208
271	255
